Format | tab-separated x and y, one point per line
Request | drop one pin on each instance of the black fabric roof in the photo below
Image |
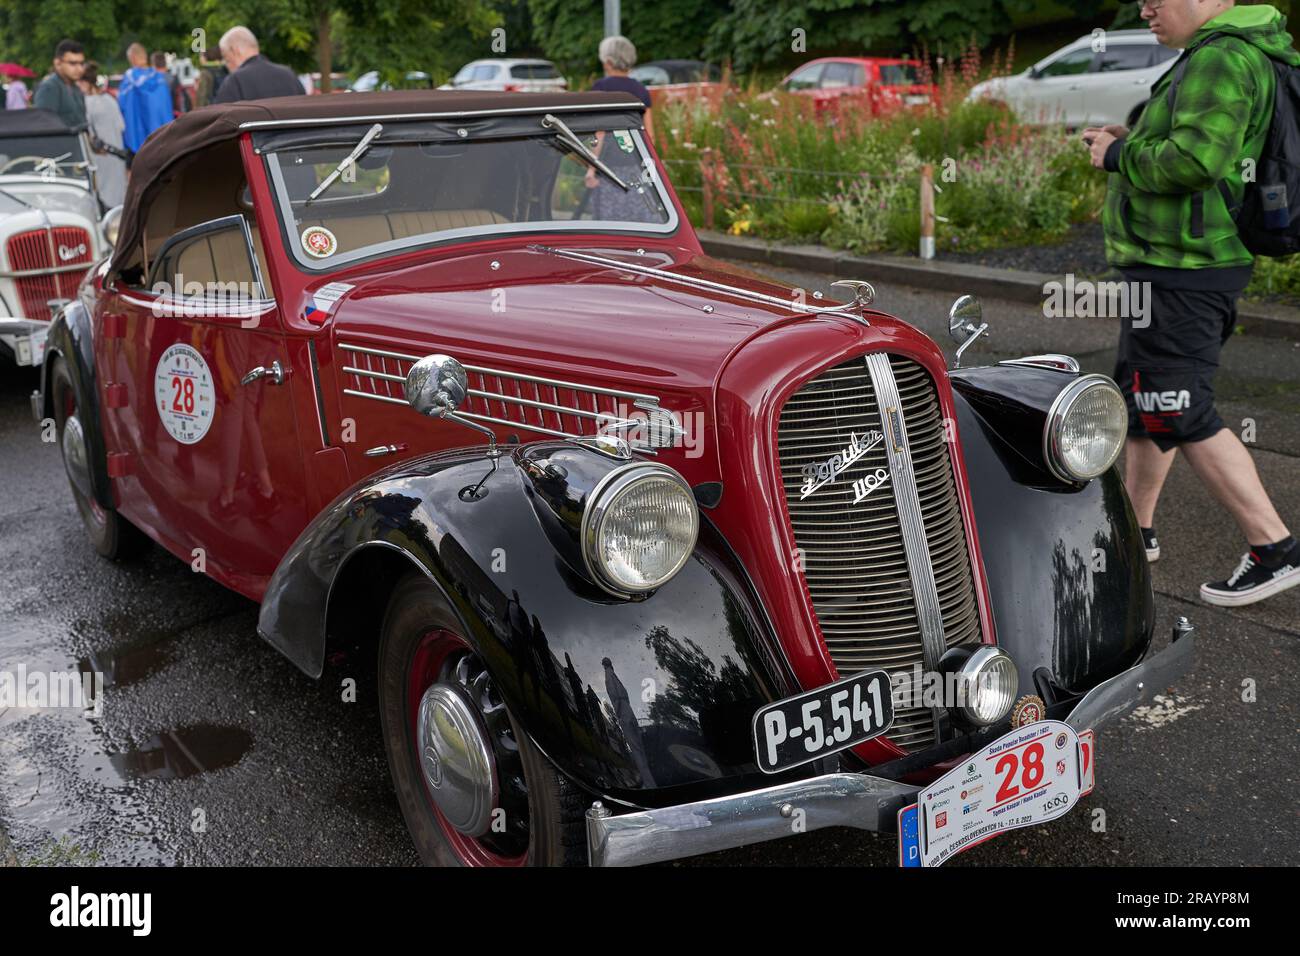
32	123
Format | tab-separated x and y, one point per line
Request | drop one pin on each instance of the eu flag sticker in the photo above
909	838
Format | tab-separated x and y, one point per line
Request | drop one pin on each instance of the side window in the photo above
1162	54
1069	65
1128	56
209	261
838	76
805	79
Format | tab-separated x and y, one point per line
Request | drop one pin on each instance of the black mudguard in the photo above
1066	566
71	337
647	702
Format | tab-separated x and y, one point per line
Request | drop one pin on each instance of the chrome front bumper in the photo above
25	339
855	800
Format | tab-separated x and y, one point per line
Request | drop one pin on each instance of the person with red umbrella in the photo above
16	95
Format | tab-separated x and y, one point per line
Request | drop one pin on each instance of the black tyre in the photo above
537	814
112	536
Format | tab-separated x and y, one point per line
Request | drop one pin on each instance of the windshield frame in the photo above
285	212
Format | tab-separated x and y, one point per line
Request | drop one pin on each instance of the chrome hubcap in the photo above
75	459
456	759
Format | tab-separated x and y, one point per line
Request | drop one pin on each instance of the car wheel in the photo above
473	788
112	536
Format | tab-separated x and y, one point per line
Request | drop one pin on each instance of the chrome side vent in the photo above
545	406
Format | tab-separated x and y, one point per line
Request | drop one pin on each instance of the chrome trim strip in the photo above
520	376
454	114
694	282
670	833
1051	360
378	398
924	591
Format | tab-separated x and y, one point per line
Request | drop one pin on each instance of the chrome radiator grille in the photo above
853	555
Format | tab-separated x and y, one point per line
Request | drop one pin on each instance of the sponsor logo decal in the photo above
319	242
941	821
1029	709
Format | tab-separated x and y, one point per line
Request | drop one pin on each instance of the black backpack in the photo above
1268	219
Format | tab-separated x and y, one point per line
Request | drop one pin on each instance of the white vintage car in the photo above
53	226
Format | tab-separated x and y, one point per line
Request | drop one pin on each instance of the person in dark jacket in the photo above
58	92
252	76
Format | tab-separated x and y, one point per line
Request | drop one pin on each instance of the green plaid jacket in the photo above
1164	205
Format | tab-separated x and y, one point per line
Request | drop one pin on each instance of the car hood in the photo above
547	312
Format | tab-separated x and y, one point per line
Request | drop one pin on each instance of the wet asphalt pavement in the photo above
213	749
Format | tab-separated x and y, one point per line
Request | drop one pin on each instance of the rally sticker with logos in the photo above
184	393
319	242
325	299
1032	775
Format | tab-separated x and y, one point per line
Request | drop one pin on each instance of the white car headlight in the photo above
988	680
639	528
1085	429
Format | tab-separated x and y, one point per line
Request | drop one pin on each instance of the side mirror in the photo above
436	386
966	323
110	225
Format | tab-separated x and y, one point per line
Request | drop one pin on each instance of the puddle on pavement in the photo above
59	779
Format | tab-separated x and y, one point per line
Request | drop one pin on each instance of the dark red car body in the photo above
596	314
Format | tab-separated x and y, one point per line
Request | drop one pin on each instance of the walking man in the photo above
1168	223
58	92
252	76
144	97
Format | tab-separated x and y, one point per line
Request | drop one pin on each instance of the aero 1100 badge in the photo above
183	390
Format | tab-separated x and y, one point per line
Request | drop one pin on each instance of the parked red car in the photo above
881	83
651	555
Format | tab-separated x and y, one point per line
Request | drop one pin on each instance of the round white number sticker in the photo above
187	400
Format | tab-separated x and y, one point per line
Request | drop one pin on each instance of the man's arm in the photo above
1208	128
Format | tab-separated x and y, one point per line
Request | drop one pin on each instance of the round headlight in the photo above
988	682
639	528
111	224
1085	429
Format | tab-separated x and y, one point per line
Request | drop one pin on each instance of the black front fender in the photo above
643	701
71	337
1066	566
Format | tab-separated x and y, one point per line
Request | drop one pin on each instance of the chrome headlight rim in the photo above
981	660
599	502
1056	416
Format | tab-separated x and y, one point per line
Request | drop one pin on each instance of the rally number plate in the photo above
800	729
1032	775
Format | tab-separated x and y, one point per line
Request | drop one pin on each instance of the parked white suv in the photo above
526	76
1095	81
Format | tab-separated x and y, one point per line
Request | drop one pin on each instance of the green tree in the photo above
569	31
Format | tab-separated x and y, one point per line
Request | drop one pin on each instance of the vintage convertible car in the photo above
656	557
52	226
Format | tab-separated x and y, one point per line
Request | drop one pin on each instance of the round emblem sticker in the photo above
319	242
184	393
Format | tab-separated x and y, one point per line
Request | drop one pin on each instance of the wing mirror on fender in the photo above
436	386
966	323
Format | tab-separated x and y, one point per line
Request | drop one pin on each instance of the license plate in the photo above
1030	776
802	728
916	100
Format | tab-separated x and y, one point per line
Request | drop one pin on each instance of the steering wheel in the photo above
36	162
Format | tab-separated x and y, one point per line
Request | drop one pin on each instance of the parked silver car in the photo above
511	76
1097	80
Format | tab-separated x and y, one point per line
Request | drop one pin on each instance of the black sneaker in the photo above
1152	544
1253	582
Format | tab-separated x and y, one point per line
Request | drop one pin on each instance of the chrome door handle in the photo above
274	374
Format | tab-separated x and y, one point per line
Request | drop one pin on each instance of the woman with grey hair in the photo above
617	57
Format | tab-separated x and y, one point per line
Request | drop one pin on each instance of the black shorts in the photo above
1169	356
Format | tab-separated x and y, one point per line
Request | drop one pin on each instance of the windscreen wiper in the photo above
569	139
348	160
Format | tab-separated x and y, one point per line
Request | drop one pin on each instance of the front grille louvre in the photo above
48	249
853	558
